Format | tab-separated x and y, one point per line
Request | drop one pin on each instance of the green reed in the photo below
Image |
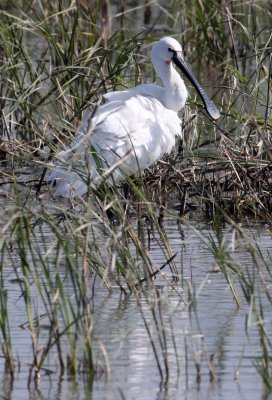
6	343
67	317
74	258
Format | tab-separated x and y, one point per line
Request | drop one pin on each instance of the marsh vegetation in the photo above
172	295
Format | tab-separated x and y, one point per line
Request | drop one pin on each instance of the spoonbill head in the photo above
132	130
168	51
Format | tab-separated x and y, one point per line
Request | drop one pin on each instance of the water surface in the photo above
212	328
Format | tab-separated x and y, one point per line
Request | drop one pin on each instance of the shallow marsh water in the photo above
212	328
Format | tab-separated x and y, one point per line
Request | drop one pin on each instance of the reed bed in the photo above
57	59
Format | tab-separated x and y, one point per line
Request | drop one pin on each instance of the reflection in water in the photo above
208	352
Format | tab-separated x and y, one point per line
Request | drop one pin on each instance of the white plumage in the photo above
131	131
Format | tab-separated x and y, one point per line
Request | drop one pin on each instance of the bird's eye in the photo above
174	52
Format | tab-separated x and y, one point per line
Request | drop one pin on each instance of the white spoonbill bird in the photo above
132	130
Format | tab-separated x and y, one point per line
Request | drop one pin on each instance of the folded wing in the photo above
132	130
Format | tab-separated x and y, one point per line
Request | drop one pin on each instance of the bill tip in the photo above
213	112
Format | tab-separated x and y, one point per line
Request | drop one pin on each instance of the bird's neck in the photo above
176	93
